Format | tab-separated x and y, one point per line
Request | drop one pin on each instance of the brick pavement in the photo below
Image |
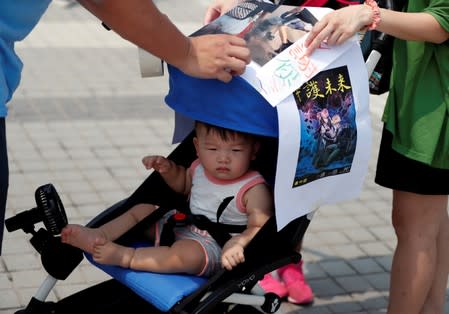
83	118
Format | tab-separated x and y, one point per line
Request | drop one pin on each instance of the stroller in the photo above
225	292
159	293
150	292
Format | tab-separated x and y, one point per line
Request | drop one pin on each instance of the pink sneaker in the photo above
299	291
270	284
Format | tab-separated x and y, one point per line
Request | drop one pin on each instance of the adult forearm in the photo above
338	26
412	26
217	56
141	22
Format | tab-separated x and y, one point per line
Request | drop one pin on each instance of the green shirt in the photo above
417	108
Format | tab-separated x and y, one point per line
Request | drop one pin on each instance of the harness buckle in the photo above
179	217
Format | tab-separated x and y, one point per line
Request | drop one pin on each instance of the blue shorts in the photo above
211	248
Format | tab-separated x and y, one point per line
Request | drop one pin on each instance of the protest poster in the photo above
324	138
321	104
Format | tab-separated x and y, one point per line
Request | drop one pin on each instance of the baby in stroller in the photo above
221	186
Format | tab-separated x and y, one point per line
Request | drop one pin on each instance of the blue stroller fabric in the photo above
161	290
234	105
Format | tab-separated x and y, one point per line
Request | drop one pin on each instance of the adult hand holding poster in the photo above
276	41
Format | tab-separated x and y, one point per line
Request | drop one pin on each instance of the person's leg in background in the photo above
437	294
4	178
288	281
420	264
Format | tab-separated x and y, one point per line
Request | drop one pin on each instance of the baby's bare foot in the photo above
110	253
82	237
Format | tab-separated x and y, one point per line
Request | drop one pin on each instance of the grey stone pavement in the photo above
83	118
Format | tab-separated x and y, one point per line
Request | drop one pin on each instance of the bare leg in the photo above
436	297
184	256
82	237
110	253
85	238
417	220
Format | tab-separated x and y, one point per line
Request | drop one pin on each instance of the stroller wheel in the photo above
272	303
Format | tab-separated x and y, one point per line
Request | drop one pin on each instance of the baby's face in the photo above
224	159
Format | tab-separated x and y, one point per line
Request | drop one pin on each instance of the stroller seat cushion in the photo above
161	290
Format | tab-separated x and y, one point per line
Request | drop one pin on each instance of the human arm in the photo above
141	22
341	24
177	177
259	205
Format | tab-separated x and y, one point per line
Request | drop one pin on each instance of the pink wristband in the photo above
376	14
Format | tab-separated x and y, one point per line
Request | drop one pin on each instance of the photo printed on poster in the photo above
328	128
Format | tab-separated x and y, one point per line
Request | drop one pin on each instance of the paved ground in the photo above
83	118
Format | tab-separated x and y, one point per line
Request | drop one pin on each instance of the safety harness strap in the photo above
219	231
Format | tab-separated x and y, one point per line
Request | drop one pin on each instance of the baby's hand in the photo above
232	255
158	163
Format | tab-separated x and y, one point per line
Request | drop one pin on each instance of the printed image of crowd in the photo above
328	128
267	29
